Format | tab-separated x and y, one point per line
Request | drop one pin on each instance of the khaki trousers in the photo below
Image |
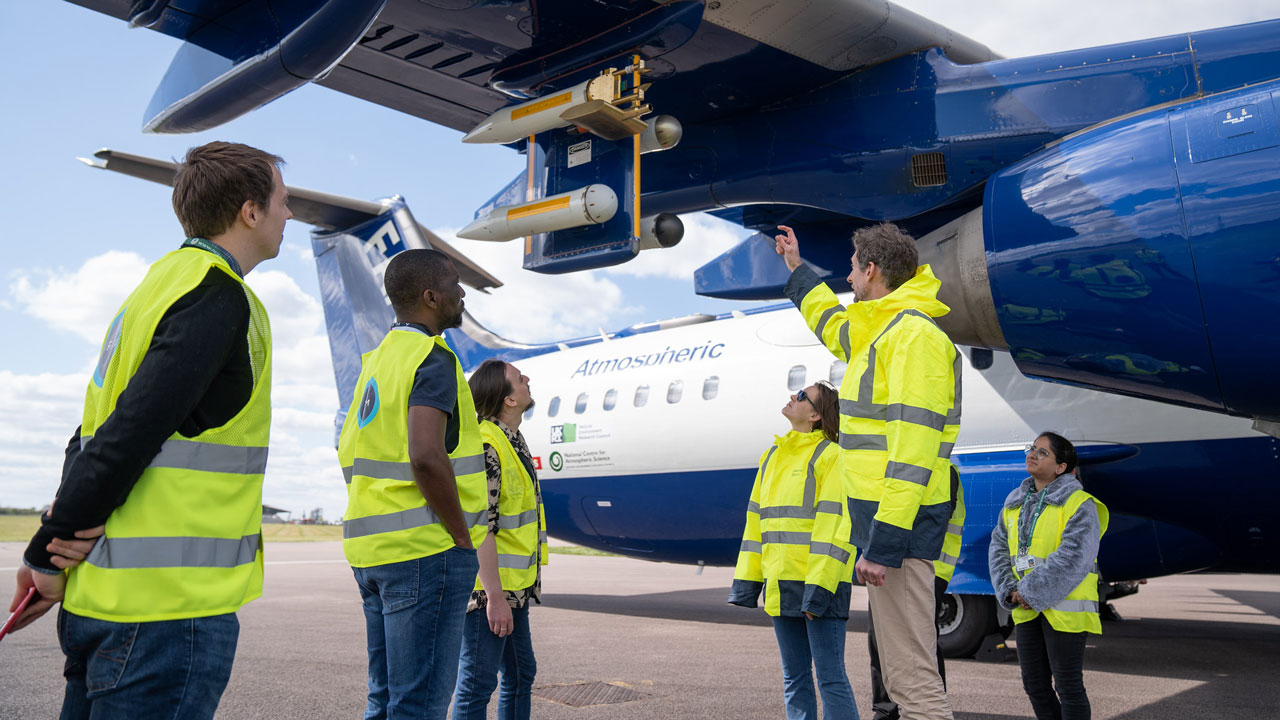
904	611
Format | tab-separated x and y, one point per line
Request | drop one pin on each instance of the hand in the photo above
464	542
49	592
70	553
499	614
810	615
870	573
788	247
1016	598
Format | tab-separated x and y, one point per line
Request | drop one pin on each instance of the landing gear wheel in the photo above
963	622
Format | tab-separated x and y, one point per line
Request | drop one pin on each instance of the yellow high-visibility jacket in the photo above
795	545
187	541
899	411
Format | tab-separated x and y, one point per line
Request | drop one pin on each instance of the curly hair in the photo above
891	249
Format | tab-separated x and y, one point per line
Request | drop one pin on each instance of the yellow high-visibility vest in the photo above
795	544
1078	612
187	541
945	566
522	523
387	518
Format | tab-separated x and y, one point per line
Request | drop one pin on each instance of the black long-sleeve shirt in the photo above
195	376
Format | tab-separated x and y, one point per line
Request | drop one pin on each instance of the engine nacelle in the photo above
1141	256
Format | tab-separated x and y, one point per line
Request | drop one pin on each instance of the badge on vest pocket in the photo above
1023	563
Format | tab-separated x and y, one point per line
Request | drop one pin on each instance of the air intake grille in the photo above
929	169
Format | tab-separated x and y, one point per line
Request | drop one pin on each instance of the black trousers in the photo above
1053	670
882	706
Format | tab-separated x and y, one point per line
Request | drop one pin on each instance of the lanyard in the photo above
1024	539
207	246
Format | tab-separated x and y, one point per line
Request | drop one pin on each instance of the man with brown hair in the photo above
899	418
170	456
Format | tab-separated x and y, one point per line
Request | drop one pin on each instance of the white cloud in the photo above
80	301
41	410
706	237
38	416
533	307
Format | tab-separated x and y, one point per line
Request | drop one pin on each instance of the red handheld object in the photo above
31	592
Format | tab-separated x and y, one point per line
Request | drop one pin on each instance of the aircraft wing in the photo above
455	63
323	210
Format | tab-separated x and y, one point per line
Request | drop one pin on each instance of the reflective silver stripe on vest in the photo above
542	536
467	464
844	341
206	457
951	560
753	506
955	529
764	466
945	449
831	551
850	441
785	538
811	480
830	507
908	472
750	546
822	322
403	471
1080	606
957	370
511	522
402	520
517	562
119	553
786	511
915	416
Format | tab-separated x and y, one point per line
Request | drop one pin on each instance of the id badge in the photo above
1023	563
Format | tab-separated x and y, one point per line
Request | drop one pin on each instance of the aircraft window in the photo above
837	372
675	391
711	387
528	413
554	408
580	406
610	399
642	395
795	377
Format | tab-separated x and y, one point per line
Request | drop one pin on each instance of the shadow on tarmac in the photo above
702	605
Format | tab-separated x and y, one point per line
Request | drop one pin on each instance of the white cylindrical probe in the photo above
529	118
590	205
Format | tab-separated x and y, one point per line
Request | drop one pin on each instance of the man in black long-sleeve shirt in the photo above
169	457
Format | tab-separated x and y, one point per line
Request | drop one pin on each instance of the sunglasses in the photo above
1038	452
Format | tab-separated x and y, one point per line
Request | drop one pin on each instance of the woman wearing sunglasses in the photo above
1043	562
796	549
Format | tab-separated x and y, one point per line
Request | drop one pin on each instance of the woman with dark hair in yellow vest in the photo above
795	548
1043	562
496	634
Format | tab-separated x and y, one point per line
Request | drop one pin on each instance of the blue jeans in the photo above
483	655
413	613
173	669
810	646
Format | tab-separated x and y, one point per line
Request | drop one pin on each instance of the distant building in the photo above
272	514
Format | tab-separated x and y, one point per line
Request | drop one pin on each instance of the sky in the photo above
78	240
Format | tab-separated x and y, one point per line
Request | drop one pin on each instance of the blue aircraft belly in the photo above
1177	506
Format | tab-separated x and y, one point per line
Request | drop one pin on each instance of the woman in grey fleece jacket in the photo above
1049	656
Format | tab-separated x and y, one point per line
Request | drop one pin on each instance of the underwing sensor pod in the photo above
595	105
590	205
